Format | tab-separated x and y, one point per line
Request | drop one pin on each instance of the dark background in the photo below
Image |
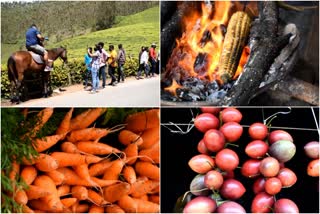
177	150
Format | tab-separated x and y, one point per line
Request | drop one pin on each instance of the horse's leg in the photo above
45	82
13	92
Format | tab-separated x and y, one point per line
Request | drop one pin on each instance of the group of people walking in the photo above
98	60
145	56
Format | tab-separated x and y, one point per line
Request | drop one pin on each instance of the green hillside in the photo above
133	31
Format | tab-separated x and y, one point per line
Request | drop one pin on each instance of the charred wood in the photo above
265	46
167	10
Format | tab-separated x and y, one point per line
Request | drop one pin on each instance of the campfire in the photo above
222	53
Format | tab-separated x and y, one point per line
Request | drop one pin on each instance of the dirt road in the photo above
131	93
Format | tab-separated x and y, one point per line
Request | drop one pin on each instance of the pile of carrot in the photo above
87	175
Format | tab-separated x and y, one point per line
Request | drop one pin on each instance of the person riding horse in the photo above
34	43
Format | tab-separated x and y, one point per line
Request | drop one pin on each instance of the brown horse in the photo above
21	62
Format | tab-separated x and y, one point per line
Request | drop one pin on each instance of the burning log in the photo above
265	46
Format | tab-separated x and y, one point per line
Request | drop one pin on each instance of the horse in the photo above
21	62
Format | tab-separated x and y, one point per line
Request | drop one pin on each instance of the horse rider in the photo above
34	41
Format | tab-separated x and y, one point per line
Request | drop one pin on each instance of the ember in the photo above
194	63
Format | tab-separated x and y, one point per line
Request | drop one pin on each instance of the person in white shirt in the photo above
144	62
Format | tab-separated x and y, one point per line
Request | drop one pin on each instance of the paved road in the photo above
132	93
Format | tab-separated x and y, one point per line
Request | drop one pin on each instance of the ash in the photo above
194	89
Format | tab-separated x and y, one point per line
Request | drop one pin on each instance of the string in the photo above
273	127
315	120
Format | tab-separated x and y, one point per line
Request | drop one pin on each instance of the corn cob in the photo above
234	42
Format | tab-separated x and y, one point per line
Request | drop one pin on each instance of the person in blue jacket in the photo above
34	41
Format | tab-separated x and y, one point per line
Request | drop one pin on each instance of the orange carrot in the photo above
63	190
114	209
64	126
144	197
152	153
24	112
83	172
88	134
29	160
113	172
52	200
14	171
96	148
146	206
126	137
96	198
141	121
71	178
131	151
148	169
154	199
129	174
79	192
35	192
41	206
150	137
156	189
21	197
45	143
26	209
43	116
56	176
69	147
68	202
85	119
103	182
46	163
80	208
142	187
115	192
128	204
96	209
28	174
67	159
99	168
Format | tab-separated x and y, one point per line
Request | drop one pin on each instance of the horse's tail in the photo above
12	71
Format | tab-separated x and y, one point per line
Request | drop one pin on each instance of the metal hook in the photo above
275	115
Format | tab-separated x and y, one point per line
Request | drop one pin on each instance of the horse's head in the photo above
63	55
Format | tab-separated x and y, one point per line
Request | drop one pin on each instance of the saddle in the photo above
37	58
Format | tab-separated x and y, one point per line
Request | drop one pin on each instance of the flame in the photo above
243	60
173	87
204	34
197	52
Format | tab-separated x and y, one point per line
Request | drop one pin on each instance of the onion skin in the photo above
313	168
282	150
277	135
200	204
287	177
230	207
232	189
201	163
262	203
312	149
285	205
197	184
205	121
